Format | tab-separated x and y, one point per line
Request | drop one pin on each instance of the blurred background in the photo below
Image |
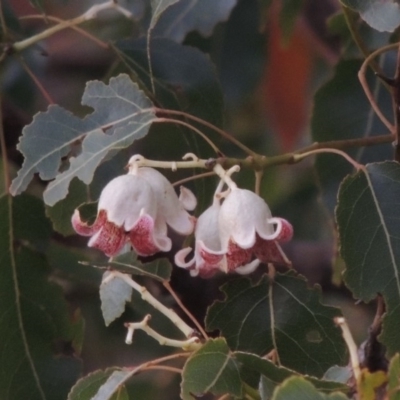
260	64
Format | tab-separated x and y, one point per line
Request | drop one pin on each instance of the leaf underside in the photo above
122	114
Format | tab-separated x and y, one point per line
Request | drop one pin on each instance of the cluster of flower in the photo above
234	234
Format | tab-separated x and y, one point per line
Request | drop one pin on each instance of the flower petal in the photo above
283	231
240	217
269	252
110	239
248	268
187	198
143	239
168	204
82	228
237	257
124	197
180	258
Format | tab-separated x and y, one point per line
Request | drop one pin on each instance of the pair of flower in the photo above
234	234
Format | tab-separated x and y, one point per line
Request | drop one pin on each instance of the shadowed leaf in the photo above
298	388
192	15
281	314
272	375
367	217
212	369
342	111
34	320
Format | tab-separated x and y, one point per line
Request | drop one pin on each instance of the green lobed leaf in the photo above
211	369
114	294
381	15
272	375
342	111
394	378
128	263
281	314
296	388
367	218
188	15
36	335
87	387
122	114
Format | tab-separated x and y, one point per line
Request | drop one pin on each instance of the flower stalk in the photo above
190	344
146	296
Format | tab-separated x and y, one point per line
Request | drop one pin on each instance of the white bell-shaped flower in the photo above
126	212
170	208
246	224
136	208
236	236
208	256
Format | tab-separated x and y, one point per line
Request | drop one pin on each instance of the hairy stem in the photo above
352	347
146	296
191	344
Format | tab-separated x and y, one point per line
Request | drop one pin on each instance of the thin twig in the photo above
257	186
221	132
86	16
194	177
164	368
191	127
193	343
99	42
396	103
355	34
148	38
367	90
4	156
353	162
146	296
352	347
39	85
184	309
3	21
